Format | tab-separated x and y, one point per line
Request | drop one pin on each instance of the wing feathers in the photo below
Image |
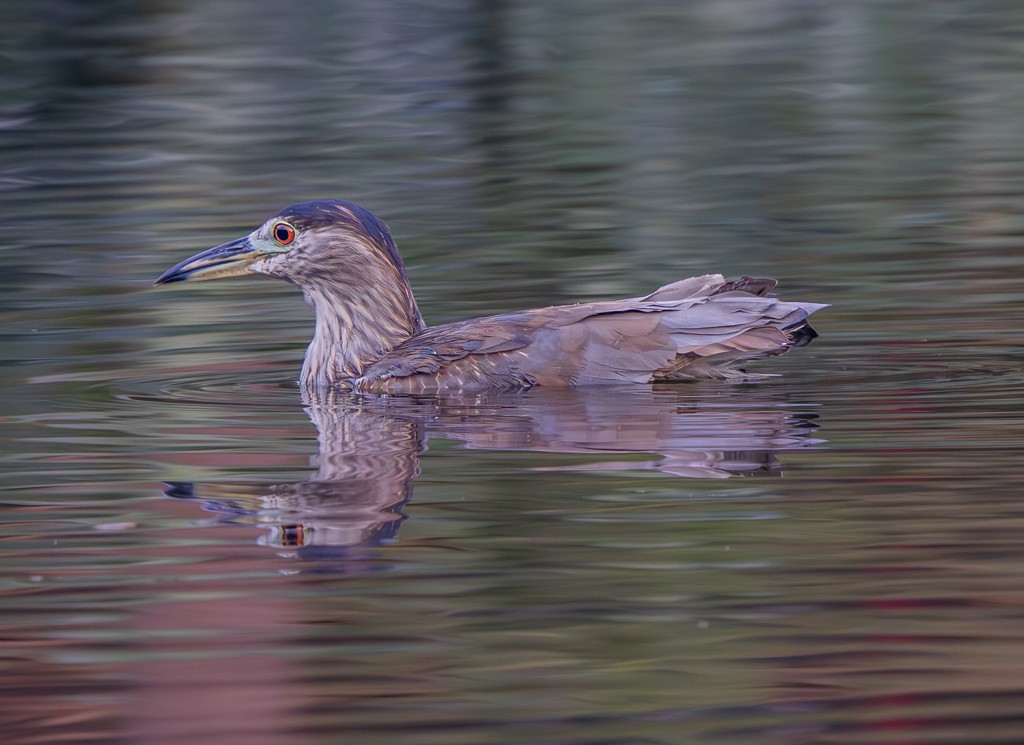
697	327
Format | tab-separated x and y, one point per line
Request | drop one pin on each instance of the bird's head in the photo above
348	267
313	244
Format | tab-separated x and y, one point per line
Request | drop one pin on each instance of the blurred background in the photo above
166	570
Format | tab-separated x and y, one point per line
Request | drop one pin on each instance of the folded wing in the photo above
701	327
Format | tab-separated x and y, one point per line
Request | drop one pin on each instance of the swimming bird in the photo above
370	336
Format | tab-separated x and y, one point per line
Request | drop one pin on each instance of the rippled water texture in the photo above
191	553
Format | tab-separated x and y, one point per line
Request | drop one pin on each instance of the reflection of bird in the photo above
370	450
371	338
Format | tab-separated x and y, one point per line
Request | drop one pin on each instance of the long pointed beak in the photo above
228	260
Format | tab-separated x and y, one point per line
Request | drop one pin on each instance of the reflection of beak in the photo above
229	260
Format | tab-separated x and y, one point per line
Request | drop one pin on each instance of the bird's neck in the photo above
355	324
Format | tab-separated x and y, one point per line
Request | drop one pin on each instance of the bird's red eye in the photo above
284	233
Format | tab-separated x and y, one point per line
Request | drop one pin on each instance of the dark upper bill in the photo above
227	260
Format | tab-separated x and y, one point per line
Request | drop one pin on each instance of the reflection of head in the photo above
365	466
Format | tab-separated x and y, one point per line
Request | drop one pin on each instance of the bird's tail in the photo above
800	334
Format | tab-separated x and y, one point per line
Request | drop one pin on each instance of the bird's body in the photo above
370	336
696	328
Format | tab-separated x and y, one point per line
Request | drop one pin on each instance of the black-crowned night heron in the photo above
370	336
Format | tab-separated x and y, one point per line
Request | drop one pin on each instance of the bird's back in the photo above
701	327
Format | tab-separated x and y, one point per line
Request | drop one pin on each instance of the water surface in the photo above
190	551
